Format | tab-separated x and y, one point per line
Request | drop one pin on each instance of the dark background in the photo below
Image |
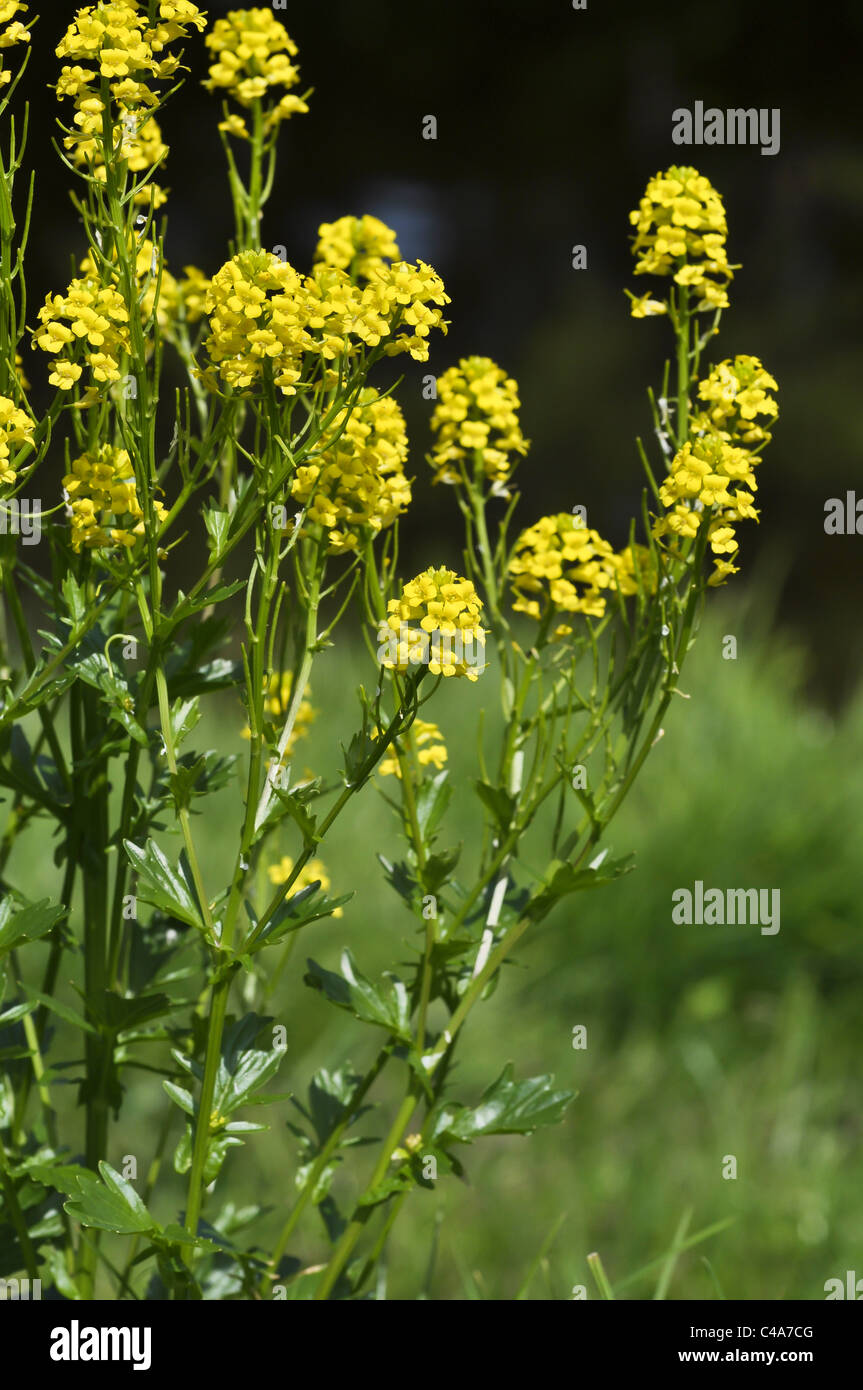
550	122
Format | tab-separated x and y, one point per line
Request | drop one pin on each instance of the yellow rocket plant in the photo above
283	464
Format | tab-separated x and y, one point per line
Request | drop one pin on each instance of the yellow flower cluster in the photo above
253	52
560	565
712	482
15	31
116	43
16	429
357	485
681	231
476	419
88	324
103	497
359	245
737	393
264	317
425	739
436	622
277	700
312	872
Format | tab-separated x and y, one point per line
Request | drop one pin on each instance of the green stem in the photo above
683	366
354	1229
324	1156
17	1216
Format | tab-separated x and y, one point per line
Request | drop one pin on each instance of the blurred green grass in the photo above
703	1041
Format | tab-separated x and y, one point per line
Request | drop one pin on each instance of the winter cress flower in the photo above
115	42
16	430
88	325
435	622
13	32
561	565
253	53
101	490
266	318
711	480
736	394
680	232
356	485
476	421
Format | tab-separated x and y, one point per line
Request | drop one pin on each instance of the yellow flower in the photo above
312	872
103	500
359	245
235	125
265	317
14	32
681	232
423	739
561	565
88	324
476	423
258	315
645	306
738	392
701	486
253	52
356	486
435	622
16	430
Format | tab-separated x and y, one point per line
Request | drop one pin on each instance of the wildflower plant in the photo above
289	459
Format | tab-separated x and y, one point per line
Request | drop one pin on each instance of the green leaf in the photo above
111	1204
217	524
184	716
309	905
294	808
26	923
565	880
359	755
61	1010
248	1061
119	1014
76	599
63	1177
439	867
180	1096
161	885
387	1006
329	1095
506	1107
17	1011
498	801
432	800
210	596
